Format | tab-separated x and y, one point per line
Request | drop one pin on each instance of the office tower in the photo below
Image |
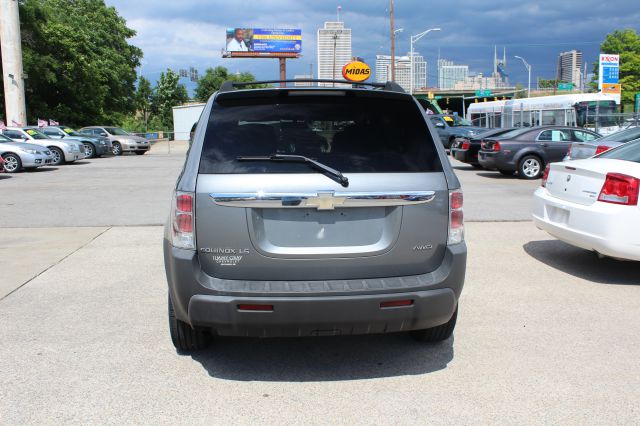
570	67
334	50
449	74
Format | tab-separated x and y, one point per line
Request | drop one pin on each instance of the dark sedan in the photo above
527	151
465	149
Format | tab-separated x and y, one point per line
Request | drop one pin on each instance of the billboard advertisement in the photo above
608	75
252	42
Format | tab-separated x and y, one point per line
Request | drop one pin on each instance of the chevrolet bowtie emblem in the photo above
325	201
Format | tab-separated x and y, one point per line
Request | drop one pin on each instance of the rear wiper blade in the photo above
330	172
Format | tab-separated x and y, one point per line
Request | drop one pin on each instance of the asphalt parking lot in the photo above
547	333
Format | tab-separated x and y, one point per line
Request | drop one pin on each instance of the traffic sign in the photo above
565	86
483	93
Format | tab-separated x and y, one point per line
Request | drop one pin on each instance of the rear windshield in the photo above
623	136
349	133
628	152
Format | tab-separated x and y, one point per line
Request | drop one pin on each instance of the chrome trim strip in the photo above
322	200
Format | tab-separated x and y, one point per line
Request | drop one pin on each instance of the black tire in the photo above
89	150
477	166
437	334
15	164
530	167
58	156
140	152
506	172
116	148
184	337
451	139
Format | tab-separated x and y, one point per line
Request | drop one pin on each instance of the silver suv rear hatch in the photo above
265	219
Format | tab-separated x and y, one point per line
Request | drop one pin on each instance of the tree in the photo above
80	66
144	95
167	94
625	43
213	79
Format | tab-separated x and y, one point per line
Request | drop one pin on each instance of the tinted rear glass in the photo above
628	152
349	133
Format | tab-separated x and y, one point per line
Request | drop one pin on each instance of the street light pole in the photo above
528	67
393	44
414	39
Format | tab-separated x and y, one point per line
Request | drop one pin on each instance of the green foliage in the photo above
520	92
136	124
625	43
167	94
549	84
213	79
80	66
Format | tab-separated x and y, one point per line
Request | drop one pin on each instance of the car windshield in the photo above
623	136
70	131
116	131
348	133
36	134
456	121
628	152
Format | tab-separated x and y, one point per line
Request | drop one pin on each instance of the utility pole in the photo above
393	45
13	74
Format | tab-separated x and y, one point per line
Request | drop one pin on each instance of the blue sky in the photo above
180	34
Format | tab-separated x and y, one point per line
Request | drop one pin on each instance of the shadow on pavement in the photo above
42	169
322	358
583	264
496	175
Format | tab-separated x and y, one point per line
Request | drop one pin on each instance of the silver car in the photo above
121	140
63	152
94	146
19	156
589	148
314	212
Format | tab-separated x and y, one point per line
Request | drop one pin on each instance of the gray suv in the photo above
314	212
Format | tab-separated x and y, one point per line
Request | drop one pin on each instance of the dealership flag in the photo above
53	123
2	125
15	123
42	123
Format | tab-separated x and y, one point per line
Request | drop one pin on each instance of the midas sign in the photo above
356	71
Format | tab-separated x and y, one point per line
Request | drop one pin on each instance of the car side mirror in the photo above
440	124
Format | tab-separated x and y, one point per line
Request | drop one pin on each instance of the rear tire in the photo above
530	167
184	337
12	163
437	334
477	166
506	172
89	150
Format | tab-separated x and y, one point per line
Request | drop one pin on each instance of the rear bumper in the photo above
102	149
465	155
495	160
348	311
601	227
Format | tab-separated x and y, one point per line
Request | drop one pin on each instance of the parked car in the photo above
94	146
1	164
18	156
121	140
528	150
62	151
590	147
450	127
292	231
593	203
465	148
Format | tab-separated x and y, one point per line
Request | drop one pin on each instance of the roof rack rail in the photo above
390	86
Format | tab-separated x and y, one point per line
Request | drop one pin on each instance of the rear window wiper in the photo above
328	171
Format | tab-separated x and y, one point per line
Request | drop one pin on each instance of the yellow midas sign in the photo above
356	71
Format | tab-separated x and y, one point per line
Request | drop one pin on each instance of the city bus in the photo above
578	110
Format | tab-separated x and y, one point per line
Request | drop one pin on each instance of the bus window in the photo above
553	118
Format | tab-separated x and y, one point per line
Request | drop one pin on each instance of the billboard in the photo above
257	42
608	75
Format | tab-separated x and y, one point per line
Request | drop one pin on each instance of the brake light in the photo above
620	189
466	145
456	218
182	221
602	148
545	175
496	146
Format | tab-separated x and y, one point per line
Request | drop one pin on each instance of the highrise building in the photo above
334	50
450	74
570	67
403	70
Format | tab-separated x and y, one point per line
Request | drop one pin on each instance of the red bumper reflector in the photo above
247	307
395	303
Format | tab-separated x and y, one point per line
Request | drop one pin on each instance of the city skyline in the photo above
188	34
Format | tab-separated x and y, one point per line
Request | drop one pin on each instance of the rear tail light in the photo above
496	146
545	176
456	218
602	148
620	189
466	145
182	221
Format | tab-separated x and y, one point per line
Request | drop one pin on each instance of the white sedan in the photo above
593	203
